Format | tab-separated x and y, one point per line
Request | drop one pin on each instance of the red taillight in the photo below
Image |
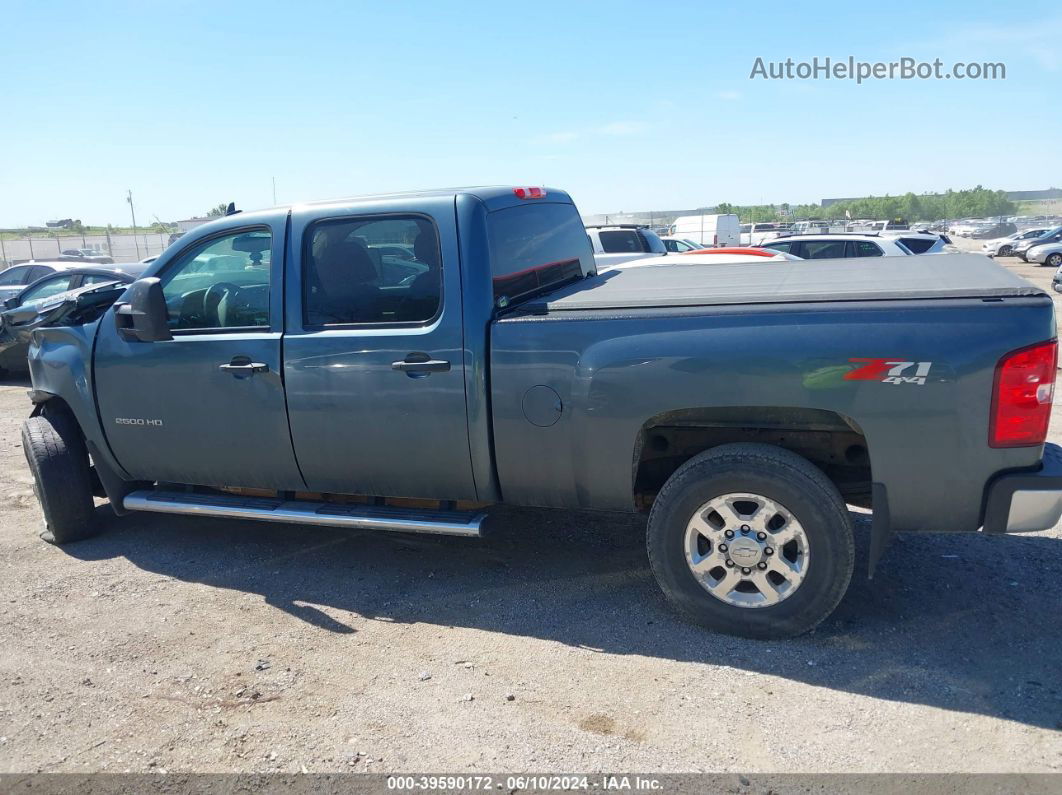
530	193
1022	394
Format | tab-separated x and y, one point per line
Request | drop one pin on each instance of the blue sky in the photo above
626	105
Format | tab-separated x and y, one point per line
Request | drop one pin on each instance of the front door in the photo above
206	407
373	352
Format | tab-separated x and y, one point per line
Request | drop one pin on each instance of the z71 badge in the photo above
889	371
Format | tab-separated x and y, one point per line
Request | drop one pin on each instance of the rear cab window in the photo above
535	248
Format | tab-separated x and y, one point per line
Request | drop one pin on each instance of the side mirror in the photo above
1057	286
11	302
142	316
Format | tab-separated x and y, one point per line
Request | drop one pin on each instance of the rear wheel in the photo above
751	540
1054	260
62	480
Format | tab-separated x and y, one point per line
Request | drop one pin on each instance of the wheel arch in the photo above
832	441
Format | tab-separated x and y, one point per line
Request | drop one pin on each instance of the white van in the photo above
708	230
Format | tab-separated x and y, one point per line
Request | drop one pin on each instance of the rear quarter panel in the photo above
615	370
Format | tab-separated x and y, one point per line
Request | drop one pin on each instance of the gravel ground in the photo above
209	645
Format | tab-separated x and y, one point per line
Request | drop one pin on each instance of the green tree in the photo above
219	211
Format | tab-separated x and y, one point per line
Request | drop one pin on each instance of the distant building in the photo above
188	224
62	223
1051	194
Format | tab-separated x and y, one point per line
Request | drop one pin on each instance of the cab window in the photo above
823	249
15	275
220	283
371	269
46	289
622	241
867	248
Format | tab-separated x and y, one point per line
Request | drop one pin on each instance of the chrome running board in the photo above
329	514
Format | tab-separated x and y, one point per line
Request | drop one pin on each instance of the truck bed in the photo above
869	279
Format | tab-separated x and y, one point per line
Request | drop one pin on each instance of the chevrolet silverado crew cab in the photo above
403	362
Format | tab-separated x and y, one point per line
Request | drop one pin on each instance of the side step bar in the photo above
330	514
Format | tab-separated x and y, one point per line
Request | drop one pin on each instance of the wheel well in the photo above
55	405
831	441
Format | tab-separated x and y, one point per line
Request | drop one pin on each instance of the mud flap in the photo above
880	526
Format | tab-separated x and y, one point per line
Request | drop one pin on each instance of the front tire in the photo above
751	540
1004	251
57	457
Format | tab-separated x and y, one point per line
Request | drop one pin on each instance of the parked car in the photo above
922	242
1004	246
741	410
676	245
757	234
19	315
1045	254
85	255
18	277
838	246
968	226
620	243
998	229
712	256
1021	247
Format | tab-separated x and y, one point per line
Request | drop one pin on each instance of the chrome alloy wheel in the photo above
747	550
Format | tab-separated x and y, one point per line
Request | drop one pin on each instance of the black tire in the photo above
1004	251
62	480
1054	260
778	475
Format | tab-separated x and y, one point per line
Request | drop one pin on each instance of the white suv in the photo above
839	246
623	243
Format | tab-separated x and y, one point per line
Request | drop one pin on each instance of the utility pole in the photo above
274	191
132	212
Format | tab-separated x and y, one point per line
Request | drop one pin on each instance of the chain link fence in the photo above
120	247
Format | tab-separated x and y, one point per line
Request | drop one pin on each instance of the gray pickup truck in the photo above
402	362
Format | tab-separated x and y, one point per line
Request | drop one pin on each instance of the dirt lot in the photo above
209	645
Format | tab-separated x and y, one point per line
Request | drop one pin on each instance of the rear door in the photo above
206	407
374	350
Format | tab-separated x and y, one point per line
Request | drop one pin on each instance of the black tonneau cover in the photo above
791	281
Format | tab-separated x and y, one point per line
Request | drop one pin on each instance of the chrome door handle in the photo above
418	365
244	367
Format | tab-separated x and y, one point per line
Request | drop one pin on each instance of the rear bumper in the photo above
1025	502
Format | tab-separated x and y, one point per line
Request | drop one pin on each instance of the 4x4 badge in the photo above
889	371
